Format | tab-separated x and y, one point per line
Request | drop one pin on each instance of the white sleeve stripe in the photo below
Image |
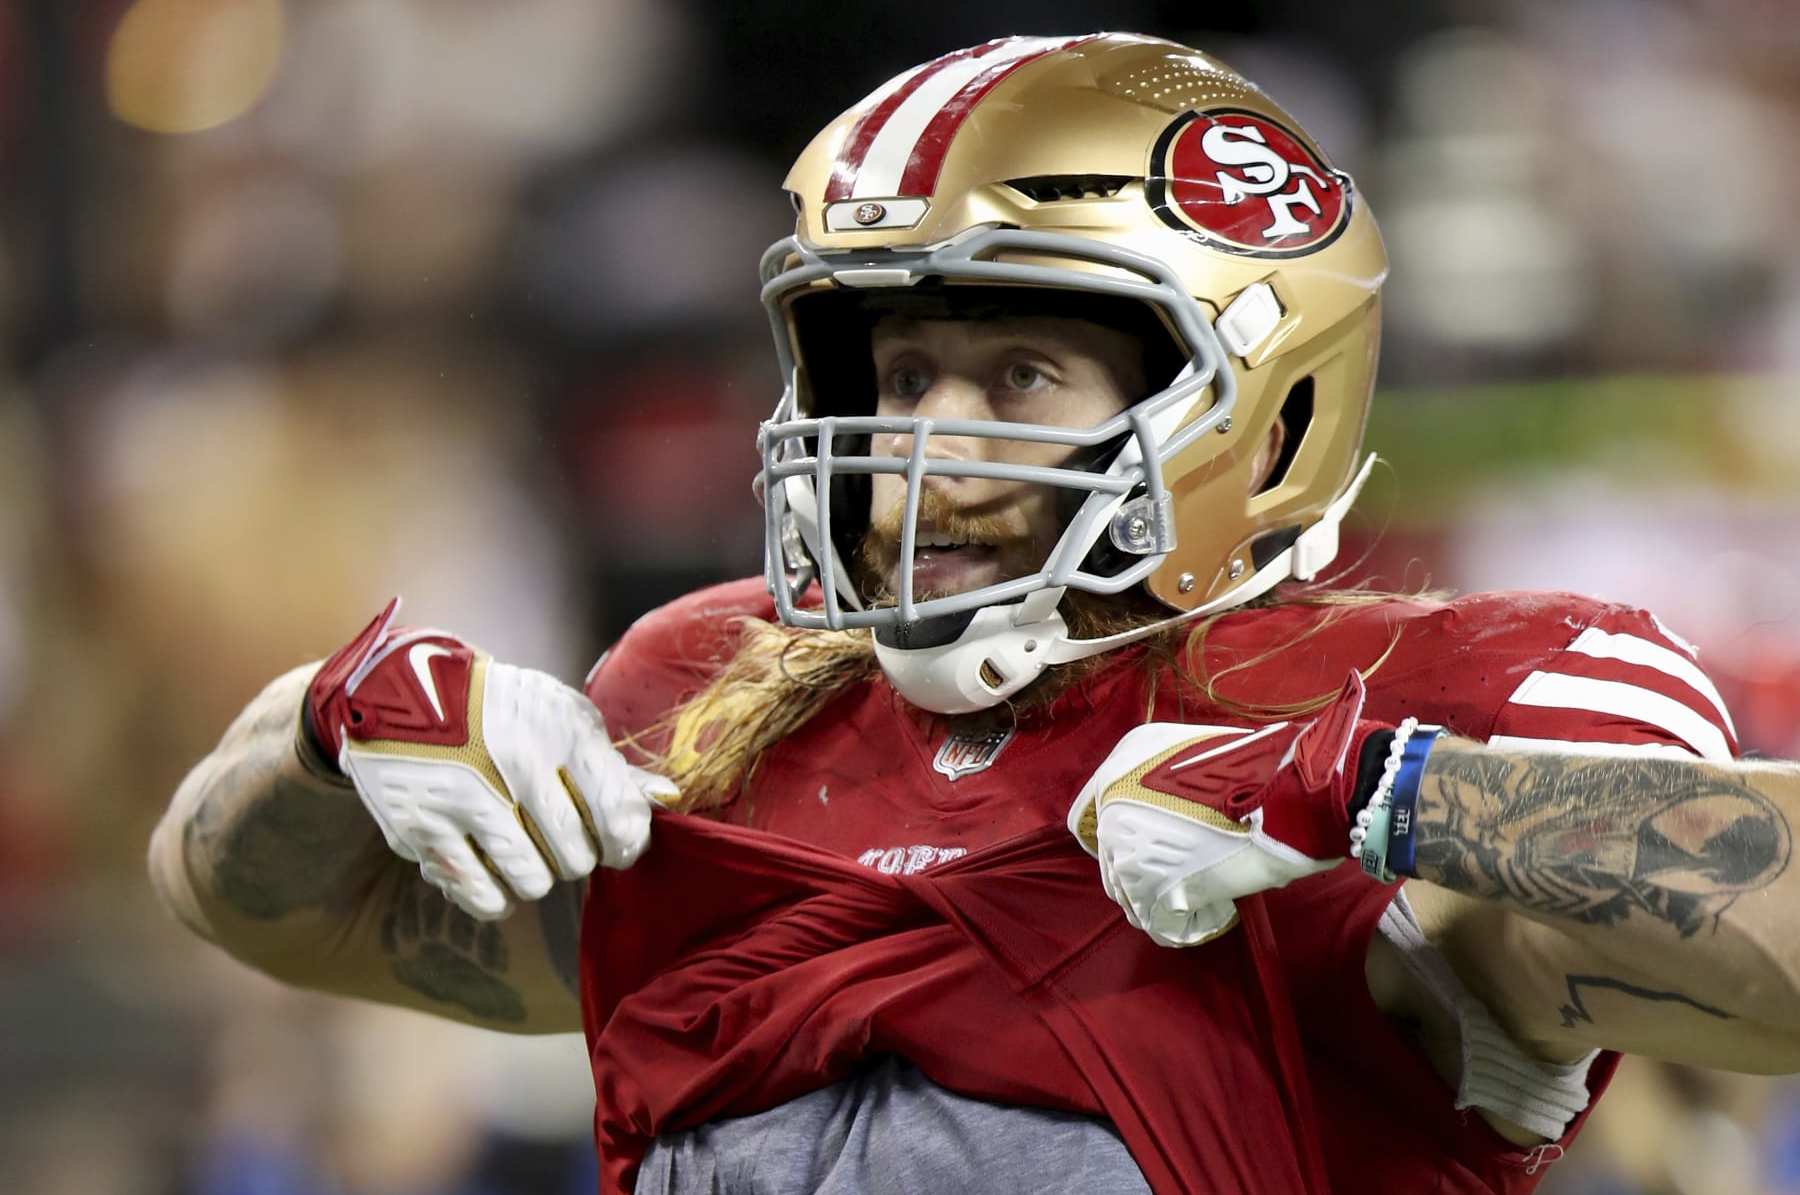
1631	649
1571	747
1558	691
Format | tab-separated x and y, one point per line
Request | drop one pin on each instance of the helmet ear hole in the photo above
1296	417
1272	544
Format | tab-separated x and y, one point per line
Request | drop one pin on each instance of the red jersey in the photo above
880	888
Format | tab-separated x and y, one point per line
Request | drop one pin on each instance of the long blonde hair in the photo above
777	678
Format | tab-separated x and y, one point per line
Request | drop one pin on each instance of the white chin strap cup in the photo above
1004	648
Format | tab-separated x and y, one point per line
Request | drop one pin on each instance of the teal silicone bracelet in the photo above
1375	844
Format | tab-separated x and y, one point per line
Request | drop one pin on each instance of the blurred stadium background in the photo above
307	303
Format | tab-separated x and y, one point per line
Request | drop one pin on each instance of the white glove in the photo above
1176	816
497	780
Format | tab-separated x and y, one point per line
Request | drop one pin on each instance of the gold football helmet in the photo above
1114	170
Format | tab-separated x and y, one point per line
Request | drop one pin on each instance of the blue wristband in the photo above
1405	797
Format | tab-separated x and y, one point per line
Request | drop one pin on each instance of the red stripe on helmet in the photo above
863	133
926	161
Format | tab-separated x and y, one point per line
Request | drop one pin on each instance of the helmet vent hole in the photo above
991	676
1296	418
1050	188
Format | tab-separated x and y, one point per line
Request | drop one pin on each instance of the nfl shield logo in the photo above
962	754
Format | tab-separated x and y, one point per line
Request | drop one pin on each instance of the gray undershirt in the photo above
889	1128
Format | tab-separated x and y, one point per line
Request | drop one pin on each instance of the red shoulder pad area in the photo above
669	654
1463	663
1445	655
1622	683
1457	663
1534	670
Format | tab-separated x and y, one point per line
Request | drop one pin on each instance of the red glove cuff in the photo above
1307	803
391	683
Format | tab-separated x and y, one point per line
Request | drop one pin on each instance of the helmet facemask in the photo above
816	463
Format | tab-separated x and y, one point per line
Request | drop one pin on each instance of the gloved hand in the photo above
1185	819
496	780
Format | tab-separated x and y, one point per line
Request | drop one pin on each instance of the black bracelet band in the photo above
1369	766
311	752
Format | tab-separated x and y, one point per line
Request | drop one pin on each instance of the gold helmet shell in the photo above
1124	165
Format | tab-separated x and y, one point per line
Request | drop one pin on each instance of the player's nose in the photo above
950	398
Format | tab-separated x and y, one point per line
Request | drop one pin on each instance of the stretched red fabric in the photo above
858	783
742	969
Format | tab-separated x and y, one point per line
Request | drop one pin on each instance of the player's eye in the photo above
1023	376
908	381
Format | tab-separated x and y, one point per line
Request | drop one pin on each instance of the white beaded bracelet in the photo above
1369	833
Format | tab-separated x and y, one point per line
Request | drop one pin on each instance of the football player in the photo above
1043	819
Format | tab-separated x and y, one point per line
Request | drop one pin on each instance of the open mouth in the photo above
944	564
955	550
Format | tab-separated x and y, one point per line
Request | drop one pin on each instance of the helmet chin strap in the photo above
1004	648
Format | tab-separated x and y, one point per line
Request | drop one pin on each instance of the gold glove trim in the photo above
1131	787
472	754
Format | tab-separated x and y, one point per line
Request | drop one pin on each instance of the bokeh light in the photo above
182	66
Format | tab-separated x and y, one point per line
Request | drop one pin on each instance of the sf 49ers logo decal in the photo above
1246	184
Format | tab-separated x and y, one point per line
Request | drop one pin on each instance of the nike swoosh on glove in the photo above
496	780
1185	819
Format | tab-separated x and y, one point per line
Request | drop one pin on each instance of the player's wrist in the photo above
1390	770
327	706
406	684
310	751
1372	758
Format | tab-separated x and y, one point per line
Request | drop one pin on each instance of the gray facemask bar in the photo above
1149	442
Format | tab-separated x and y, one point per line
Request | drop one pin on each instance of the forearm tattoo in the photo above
441	952
1577	1010
559	916
272	842
1597	839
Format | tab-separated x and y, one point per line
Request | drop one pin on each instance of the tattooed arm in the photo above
288	873
1642	904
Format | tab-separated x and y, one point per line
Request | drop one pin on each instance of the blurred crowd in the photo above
305	304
